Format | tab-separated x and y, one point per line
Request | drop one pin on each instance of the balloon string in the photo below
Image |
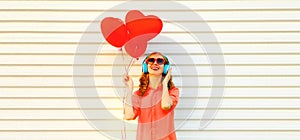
127	70
125	92
124	123
124	61
130	65
123	131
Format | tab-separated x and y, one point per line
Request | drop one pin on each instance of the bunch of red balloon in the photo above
134	34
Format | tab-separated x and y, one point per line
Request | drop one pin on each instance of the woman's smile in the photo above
155	67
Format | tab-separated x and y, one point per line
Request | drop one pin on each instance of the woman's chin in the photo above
156	73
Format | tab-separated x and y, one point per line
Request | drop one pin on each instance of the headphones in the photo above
145	66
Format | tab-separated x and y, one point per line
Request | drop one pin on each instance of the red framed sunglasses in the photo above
159	61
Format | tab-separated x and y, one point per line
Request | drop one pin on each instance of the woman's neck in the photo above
155	81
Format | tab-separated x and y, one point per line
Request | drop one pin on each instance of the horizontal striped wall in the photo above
259	42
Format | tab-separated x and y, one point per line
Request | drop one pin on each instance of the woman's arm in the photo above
128	110
166	101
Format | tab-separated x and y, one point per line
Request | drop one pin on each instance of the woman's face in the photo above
155	64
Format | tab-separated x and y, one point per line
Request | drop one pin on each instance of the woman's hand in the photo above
167	77
128	81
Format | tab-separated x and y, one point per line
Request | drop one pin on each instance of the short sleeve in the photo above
136	104
174	94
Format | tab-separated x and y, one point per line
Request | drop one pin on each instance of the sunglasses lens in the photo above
151	60
160	61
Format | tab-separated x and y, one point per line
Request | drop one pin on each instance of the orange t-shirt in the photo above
154	123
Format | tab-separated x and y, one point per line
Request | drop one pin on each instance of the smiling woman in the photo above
155	100
259	40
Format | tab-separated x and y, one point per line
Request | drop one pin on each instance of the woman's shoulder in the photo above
137	92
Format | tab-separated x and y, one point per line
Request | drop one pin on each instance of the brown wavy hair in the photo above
144	79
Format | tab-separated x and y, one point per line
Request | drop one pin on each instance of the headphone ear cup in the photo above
166	68
145	68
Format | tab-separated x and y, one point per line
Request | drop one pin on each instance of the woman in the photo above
155	100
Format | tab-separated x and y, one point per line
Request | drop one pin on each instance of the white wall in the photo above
259	39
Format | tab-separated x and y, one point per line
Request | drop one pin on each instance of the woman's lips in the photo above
155	67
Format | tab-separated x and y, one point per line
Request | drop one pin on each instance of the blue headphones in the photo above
145	66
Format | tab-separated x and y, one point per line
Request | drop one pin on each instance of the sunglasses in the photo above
159	61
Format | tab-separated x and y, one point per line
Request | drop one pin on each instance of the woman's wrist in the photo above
165	83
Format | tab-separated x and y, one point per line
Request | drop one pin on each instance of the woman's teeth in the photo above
154	68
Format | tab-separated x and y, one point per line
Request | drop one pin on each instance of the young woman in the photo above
155	100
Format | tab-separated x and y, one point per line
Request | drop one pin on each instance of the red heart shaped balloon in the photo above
114	31
136	47
141	29
137	24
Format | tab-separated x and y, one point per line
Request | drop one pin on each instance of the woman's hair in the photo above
144	79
